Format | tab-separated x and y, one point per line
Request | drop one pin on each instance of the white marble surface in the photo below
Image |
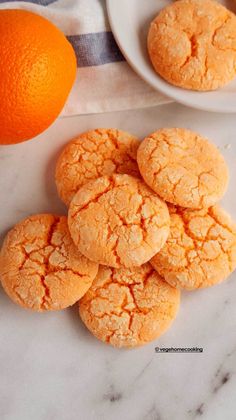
51	368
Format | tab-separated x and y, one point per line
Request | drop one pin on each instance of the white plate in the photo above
129	21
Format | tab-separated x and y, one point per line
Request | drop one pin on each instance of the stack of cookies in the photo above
142	224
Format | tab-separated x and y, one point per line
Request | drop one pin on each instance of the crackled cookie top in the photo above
129	307
183	167
94	154
200	250
40	267
118	221
192	44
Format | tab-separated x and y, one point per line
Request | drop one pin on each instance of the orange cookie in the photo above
201	248
94	154
183	168
40	267
118	221
192	44
129	307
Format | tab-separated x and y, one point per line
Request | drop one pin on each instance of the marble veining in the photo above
112	395
152	414
52	368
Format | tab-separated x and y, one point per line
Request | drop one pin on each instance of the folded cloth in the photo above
105	81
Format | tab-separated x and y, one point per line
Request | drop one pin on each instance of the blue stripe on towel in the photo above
41	2
95	49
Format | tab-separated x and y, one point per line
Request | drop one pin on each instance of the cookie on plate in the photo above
93	154
118	221
183	168
129	307
40	267
200	250
192	44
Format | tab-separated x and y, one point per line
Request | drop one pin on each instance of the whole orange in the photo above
37	71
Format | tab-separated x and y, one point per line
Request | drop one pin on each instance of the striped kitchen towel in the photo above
105	82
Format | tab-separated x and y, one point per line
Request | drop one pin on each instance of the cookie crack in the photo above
193	52
226	19
198	244
129	288
95	199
